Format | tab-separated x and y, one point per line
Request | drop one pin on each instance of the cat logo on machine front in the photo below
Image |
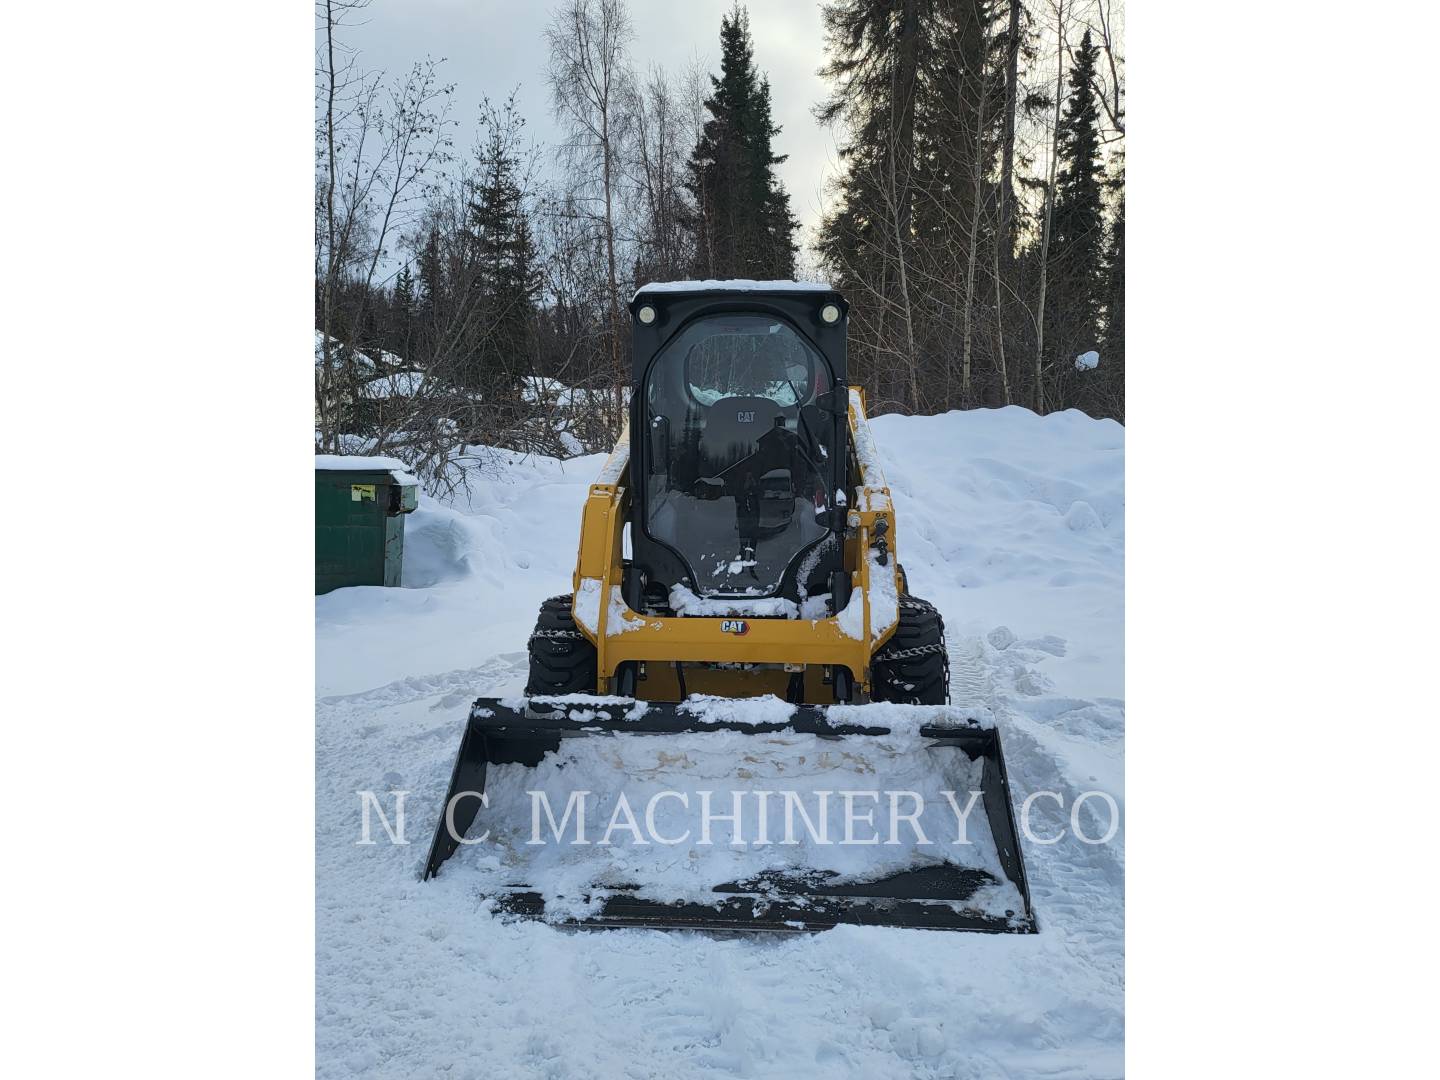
734	626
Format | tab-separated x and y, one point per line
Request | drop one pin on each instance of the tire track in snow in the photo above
1077	888
476	682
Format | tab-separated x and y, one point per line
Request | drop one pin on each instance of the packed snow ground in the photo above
1012	524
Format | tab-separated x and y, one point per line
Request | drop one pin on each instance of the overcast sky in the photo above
491	46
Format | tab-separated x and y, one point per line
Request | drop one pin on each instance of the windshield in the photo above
739	461
746	356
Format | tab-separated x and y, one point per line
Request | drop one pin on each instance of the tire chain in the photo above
908	654
556	635
920	650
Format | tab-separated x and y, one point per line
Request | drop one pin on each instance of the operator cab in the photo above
737	447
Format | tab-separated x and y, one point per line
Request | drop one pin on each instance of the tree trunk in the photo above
911	365
902	150
1003	250
999	317
615	366
328	396
974	237
1049	211
1007	145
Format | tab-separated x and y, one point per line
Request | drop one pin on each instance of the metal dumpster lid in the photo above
360	463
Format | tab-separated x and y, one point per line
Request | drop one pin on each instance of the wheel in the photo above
562	659
913	667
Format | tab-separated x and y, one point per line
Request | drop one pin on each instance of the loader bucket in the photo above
679	755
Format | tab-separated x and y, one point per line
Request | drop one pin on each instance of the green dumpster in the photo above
360	503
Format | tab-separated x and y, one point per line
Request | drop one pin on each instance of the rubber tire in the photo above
560	665
915	680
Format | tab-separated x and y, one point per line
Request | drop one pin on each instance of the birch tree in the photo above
589	44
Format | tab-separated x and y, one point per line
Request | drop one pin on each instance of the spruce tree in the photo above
504	278
1114	337
431	279
1077	246
1112	340
744	227
402	313
917	89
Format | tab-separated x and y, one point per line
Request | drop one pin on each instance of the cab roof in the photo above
731	285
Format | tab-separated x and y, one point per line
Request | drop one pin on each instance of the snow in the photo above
539	387
865	451
884	604
619	619
542	389
1012	524
400	384
730	285
851	617
870	496
1087	361
768	709
362	361
884	599
614	469
360	463
684	602
631	841
586	607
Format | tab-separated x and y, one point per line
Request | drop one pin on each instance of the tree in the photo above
1002	251
962	147
376	147
588	42
1078	230
400	314
1107	383
1114	334
503	279
876	51
919	103
743	224
665	220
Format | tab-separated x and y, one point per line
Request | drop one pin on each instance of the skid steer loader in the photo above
739	626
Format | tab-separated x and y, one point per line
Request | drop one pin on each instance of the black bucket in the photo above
937	897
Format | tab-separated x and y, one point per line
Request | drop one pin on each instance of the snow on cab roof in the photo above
732	285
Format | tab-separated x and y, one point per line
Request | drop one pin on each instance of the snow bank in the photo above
988	529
